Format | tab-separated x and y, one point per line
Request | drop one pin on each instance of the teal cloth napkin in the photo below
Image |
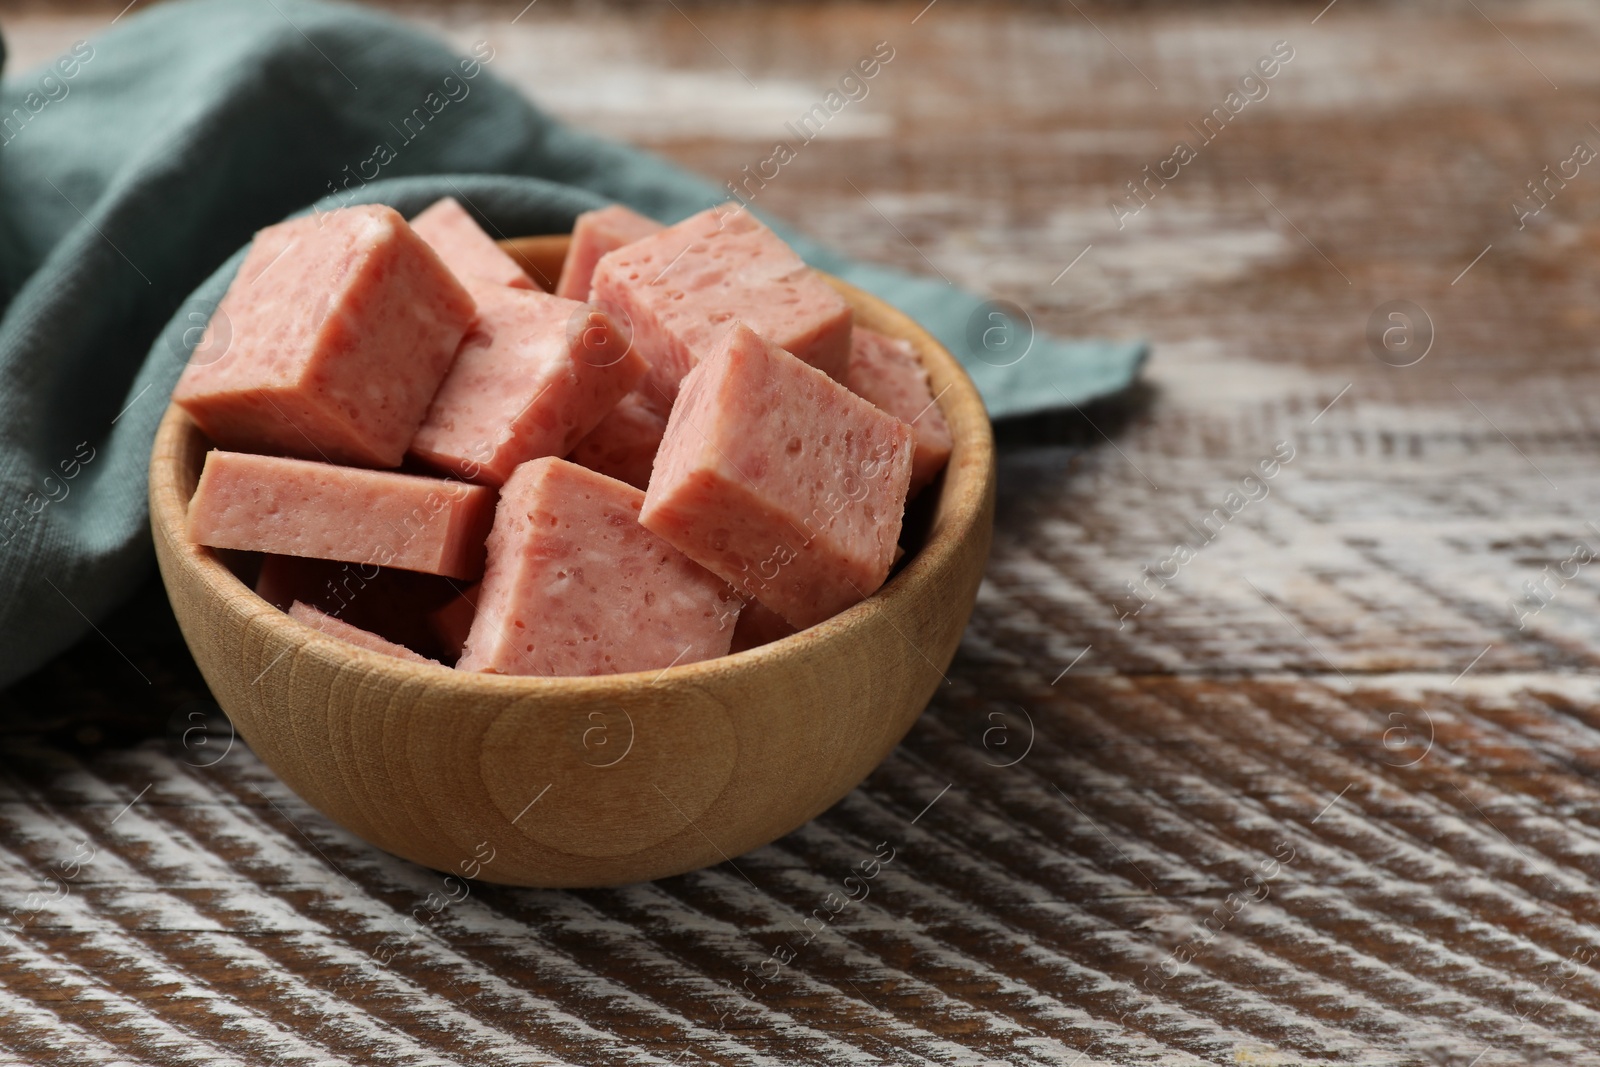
136	166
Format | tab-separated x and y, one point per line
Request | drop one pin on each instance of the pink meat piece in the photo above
886	371
470	253
759	625
593	235
780	480
623	446
535	375
330	341
297	507
393	604
575	586
343	631
452	622
678	291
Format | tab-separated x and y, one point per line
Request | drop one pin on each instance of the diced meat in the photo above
532	378
575	586
780	480
623	446
678	291
758	625
593	235
297	507
536	373
343	631
471	254
886	371
452	622
393	604
333	337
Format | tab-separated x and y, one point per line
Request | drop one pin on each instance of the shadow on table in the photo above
1049	448
132	681
1086	426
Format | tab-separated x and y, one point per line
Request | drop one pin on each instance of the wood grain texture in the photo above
1338	676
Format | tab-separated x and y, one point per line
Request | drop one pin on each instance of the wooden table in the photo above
1330	796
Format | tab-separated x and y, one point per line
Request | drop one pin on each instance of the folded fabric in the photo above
133	171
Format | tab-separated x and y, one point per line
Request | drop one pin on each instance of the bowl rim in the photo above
967	482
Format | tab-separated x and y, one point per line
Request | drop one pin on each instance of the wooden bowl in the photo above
589	781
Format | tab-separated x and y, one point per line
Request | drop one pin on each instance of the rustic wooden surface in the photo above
1338	681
